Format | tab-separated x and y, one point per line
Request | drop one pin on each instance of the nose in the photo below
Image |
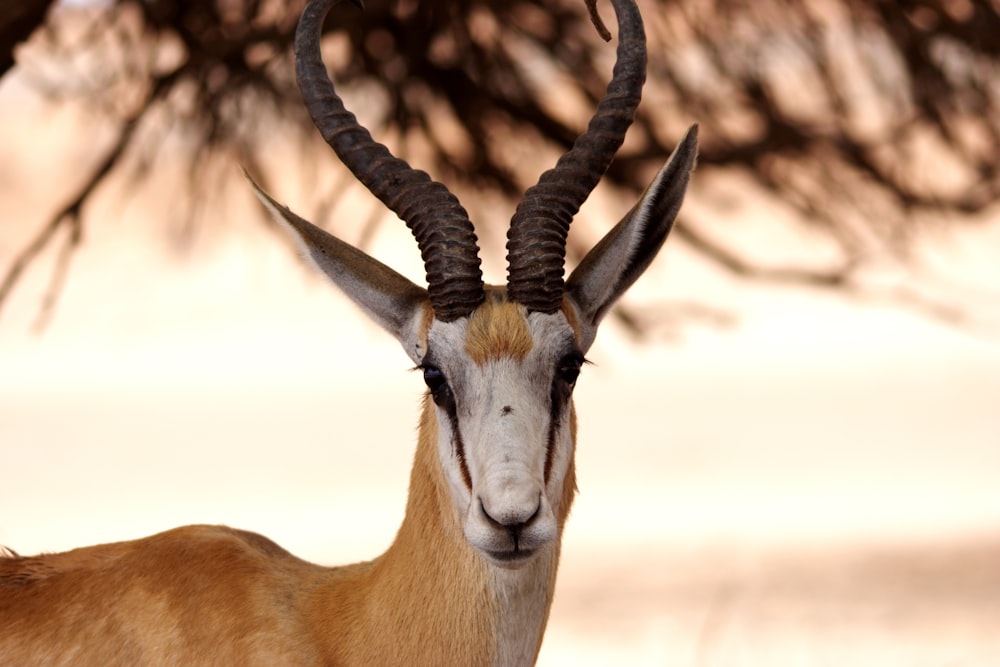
513	519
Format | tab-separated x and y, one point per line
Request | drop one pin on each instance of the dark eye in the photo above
568	369
438	384
435	379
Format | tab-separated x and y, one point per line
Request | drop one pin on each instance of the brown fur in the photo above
212	594
425	325
569	312
197	594
215	595
497	329
426	600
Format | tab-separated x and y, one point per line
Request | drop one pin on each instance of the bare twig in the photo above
882	79
742	267
70	215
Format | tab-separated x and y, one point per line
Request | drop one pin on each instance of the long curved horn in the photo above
536	240
440	225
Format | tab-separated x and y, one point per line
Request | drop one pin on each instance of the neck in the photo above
431	598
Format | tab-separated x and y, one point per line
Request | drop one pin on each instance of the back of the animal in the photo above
194	595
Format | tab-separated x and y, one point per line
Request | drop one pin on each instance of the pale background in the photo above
817	483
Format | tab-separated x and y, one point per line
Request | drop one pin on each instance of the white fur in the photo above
505	453
524	599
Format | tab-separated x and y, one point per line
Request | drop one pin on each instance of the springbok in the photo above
470	576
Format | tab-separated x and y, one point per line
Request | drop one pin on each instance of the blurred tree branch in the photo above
827	107
17	21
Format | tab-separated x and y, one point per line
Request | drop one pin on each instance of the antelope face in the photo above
501	381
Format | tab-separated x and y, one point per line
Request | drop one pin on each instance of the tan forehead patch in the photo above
497	329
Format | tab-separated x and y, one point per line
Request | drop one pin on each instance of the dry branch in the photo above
824	109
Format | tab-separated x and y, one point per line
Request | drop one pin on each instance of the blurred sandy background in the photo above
816	484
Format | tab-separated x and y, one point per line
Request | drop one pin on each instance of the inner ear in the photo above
611	267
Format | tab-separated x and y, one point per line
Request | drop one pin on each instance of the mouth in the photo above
514	557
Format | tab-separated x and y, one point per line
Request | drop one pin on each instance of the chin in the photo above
510	560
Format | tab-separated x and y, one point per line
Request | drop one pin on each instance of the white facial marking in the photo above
502	409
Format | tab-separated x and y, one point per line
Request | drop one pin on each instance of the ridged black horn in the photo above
536	240
440	225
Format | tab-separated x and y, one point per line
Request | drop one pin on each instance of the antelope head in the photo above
500	363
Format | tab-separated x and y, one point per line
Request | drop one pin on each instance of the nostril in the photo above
534	515
513	521
488	516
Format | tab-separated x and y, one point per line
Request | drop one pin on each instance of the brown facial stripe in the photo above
560	395
444	398
497	330
550	446
463	465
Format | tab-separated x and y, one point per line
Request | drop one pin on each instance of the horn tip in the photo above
598	22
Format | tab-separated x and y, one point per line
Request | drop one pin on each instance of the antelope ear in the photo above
391	300
611	267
